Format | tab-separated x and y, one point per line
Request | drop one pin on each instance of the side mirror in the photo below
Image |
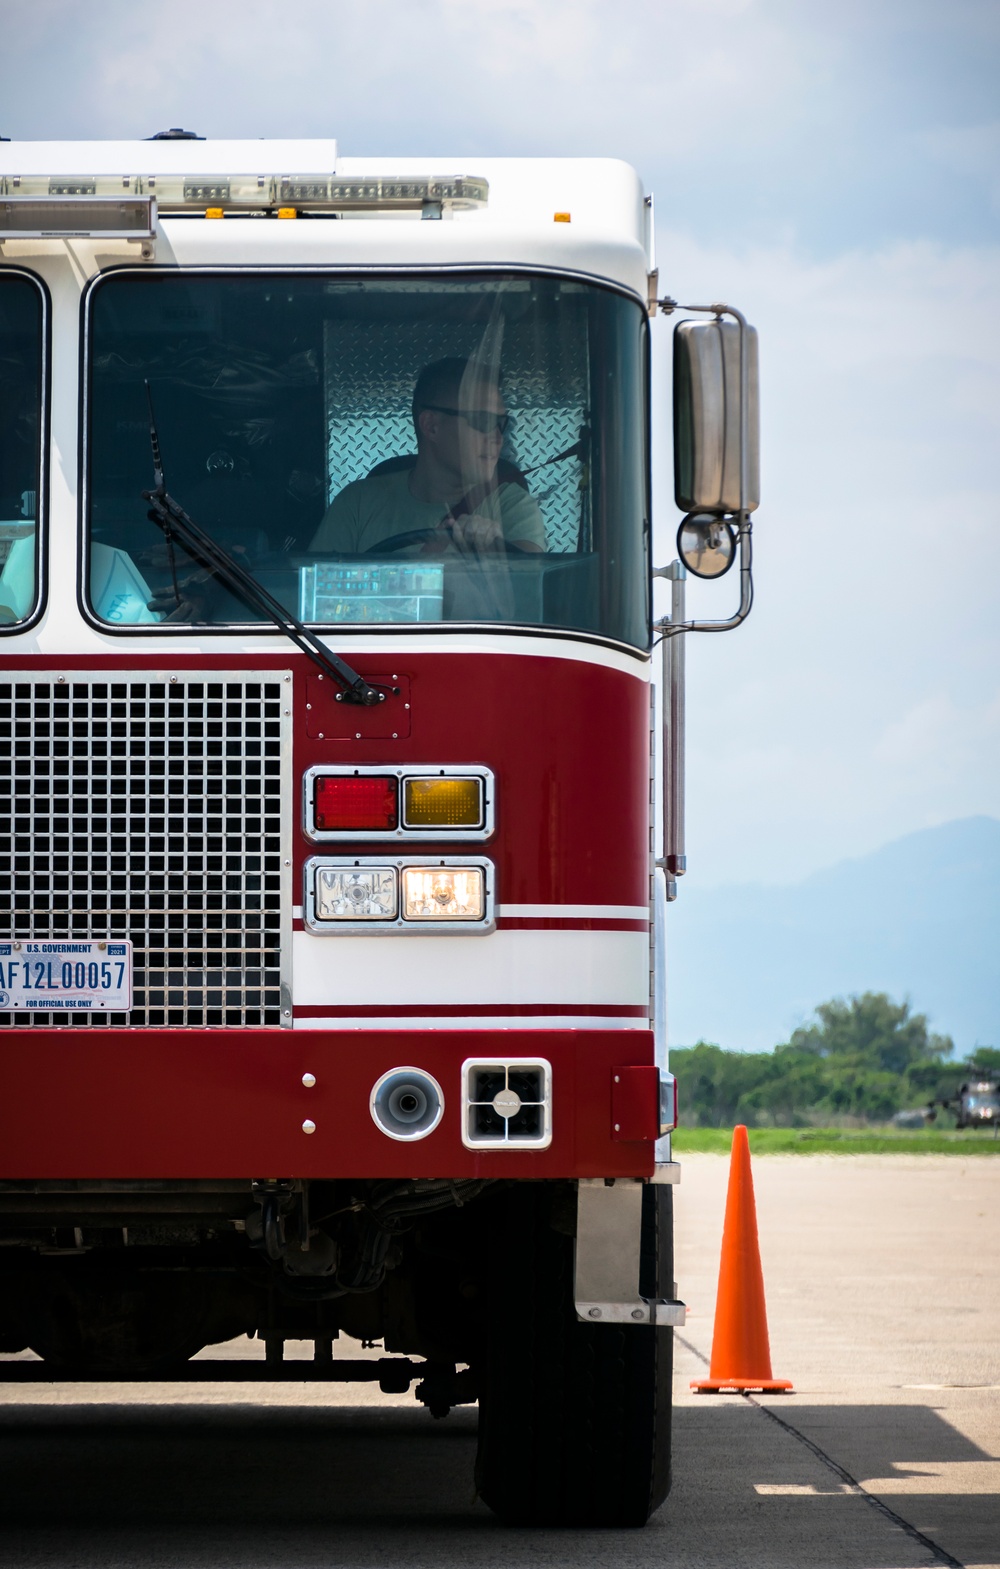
708	459
706	544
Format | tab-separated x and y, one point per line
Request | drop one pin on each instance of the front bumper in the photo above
190	1104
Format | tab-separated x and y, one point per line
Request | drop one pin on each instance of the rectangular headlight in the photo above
444	893
442	803
357	893
392	895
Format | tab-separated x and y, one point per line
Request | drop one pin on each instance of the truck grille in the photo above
154	808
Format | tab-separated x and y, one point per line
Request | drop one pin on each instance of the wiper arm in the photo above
169	516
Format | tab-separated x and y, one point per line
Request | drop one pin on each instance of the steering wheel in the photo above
415	536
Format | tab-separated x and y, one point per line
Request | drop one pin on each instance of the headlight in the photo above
362	894
443	893
398	894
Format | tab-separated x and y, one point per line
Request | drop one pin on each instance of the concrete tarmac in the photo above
883	1279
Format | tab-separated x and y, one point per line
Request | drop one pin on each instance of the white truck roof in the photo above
589	216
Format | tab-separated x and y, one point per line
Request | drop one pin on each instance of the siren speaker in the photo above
406	1103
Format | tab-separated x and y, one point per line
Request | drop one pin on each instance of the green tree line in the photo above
861	1060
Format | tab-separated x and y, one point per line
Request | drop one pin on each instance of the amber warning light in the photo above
445	803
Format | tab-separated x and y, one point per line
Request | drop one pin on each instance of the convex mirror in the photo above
706	544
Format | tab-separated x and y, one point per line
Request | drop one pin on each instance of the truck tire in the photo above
574	1426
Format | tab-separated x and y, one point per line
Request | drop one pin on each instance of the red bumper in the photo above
187	1104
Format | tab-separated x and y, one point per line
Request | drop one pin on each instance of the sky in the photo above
832	170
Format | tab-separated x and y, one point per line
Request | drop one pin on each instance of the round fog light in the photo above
406	1103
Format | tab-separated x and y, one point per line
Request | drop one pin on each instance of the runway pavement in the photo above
883	1279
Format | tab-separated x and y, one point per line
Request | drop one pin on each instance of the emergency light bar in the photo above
459	191
65	216
196	193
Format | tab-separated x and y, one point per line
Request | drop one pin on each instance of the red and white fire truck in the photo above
331	982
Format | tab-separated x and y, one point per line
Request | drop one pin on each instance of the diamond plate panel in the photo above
151	808
370	371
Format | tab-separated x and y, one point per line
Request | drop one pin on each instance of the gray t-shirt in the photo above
373	509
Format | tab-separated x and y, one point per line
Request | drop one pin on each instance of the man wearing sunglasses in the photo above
456	495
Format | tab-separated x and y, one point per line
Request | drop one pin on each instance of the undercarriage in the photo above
467	1286
136	1278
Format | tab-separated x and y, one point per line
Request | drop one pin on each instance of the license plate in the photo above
66	977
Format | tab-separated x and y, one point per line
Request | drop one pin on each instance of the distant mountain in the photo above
919	919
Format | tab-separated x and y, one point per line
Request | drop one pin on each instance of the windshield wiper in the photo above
171	518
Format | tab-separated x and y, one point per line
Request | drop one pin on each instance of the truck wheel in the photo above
574	1426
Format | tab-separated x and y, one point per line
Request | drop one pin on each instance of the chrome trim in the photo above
403	834
665	1168
668	1102
672	727
287	847
399	926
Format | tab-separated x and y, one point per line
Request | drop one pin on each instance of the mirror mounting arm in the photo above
668	626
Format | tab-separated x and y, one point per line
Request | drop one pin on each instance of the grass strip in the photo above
840	1141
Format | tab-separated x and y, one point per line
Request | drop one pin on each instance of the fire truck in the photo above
343	816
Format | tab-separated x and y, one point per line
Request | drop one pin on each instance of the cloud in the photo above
751	116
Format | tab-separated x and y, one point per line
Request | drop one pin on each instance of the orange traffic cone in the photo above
741	1354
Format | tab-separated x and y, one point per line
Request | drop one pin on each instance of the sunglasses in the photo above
485	421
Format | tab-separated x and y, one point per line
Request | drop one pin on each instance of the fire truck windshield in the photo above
21	347
420	449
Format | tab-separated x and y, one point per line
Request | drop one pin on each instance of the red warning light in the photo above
367	803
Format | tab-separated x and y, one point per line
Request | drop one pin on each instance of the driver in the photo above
452	493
